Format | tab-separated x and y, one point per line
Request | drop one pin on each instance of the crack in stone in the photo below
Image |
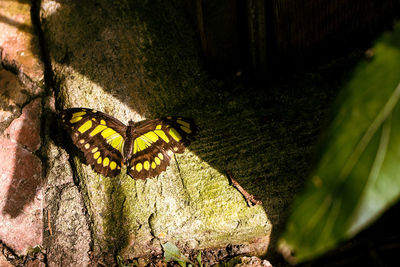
10	255
13	67
185	189
17	108
150	223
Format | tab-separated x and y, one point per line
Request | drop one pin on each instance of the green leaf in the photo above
172	253
199	259
358	174
120	261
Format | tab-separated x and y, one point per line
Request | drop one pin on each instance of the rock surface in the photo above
67	234
19	41
123	60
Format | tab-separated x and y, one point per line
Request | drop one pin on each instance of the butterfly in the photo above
145	147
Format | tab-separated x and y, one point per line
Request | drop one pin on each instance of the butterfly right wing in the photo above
99	136
154	141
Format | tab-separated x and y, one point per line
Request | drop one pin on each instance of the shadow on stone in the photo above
25	184
14	23
27	172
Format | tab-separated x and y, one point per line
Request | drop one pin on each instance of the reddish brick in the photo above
20	197
17	38
13	92
35	263
25	130
4	262
12	96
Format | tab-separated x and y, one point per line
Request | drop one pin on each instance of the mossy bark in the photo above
137	60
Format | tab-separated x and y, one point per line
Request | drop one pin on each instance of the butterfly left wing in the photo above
152	142
99	136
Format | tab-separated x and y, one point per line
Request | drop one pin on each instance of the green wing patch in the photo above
145	147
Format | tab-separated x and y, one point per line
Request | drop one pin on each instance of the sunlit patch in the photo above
96	155
162	235
76	119
161	134
160	155
99	160
106	161
153	165
98	129
113	165
87	146
86	126
157	160
139	167
94	149
146	165
174	133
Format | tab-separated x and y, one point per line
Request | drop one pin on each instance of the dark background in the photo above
282	42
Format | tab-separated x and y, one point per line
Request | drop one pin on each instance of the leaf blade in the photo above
357	177
172	253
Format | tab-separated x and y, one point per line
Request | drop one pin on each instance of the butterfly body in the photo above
144	147
130	135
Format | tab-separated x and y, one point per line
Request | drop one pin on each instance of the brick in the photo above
20	197
25	130
18	40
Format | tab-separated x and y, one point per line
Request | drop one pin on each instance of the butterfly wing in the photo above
153	143
148	163
99	136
